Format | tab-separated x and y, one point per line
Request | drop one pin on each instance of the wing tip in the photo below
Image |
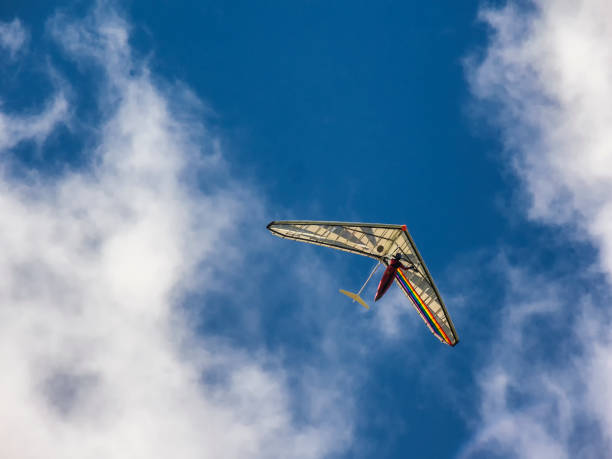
269	225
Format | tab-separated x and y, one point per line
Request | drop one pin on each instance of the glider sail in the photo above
380	242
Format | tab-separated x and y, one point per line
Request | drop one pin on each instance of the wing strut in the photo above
355	296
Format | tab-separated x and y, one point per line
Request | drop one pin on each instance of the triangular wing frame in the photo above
381	242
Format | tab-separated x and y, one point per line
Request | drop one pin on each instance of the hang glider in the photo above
390	245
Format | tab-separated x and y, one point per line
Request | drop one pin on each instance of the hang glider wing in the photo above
372	240
380	242
426	299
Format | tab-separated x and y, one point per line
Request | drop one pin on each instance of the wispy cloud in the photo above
13	36
16	128
547	71
96	355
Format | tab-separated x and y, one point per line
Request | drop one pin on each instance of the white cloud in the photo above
527	404
548	71
13	36
96	357
35	127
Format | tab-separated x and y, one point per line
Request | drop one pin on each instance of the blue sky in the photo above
145	146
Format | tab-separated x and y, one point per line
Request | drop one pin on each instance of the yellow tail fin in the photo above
356	298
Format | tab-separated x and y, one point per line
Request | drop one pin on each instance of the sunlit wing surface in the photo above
380	242
428	303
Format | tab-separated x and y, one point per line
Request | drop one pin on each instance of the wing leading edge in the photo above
380	241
